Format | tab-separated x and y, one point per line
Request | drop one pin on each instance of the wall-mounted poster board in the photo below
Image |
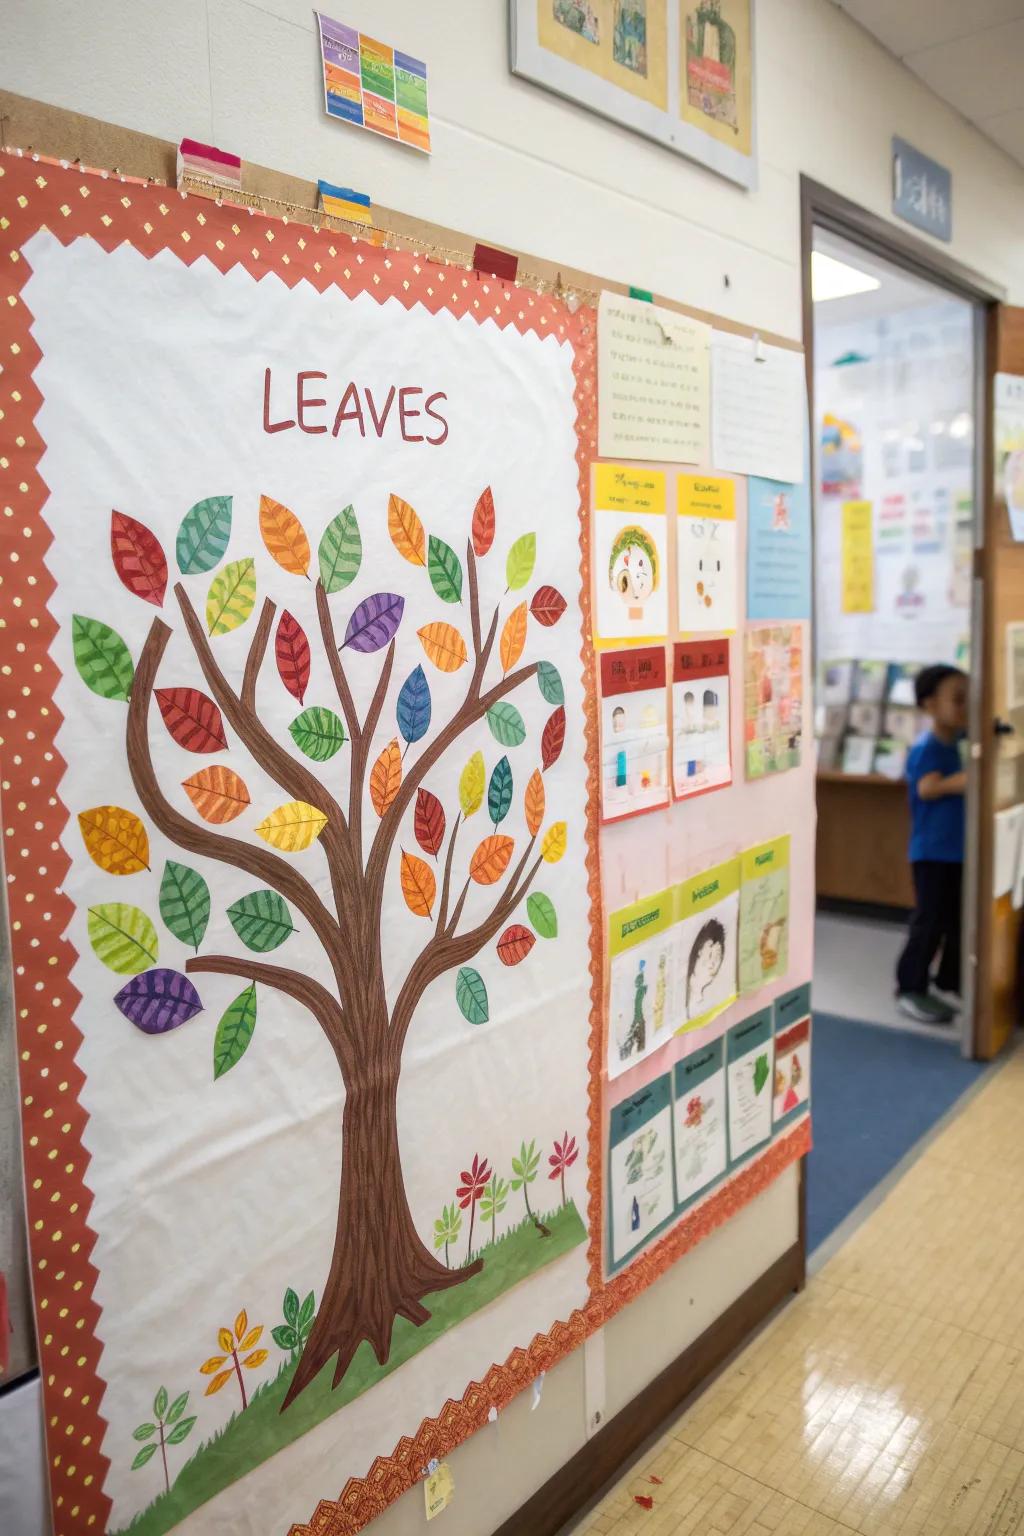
678	71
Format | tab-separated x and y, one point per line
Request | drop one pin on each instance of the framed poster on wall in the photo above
678	71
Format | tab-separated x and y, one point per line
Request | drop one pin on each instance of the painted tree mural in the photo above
339	763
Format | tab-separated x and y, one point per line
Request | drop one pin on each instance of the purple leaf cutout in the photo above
374	622
158	1001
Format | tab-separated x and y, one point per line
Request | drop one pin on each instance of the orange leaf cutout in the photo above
284	537
386	777
241	1324
406	531
418	885
115	839
217	793
490	860
225	1340
483	523
534	803
513	637
444	646
515	944
218	1382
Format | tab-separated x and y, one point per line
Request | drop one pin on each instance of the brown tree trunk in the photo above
381	1269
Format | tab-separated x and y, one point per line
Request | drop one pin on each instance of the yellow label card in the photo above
623	488
858	557
765	858
706	496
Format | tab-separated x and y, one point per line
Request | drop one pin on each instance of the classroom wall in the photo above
516	166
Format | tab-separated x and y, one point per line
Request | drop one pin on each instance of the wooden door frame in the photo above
823	208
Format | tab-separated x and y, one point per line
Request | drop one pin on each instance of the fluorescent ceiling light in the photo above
832	279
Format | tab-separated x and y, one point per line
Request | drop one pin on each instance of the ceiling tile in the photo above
911	26
1007	130
979	75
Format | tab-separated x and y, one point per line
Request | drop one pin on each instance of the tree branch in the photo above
442	911
257	651
474	596
324	1008
332	649
361	749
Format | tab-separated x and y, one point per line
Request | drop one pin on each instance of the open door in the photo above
998	719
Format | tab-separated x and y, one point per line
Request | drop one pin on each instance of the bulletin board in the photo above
306	686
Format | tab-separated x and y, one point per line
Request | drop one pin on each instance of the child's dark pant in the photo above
934	925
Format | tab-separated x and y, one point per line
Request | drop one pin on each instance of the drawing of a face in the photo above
709	579
711	717
633	570
618	719
706	958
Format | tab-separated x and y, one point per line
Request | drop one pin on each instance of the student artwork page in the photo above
773	699
706	554
764	914
630	555
700	1117
643	1006
749	1049
640	1169
701	756
792	1072
707	921
634	732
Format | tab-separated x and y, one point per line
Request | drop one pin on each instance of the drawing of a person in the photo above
636	1040
780	514
706	957
633	570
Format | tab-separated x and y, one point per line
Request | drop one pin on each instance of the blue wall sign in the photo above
922	191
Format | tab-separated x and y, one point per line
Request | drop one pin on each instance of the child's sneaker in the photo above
923	1009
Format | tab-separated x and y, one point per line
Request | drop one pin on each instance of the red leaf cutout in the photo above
483	523
138	558
515	944
553	739
547	606
428	822
193	719
292	652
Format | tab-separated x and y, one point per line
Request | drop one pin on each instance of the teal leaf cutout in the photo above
203	535
184	903
549	680
471	996
341	552
234	1031
506	724
499	792
103	660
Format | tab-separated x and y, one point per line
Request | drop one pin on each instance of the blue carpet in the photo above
874	1093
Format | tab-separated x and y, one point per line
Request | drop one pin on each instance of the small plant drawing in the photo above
292	1334
169	1429
474	1182
234	1347
524	1170
493	1202
565	1154
447	1229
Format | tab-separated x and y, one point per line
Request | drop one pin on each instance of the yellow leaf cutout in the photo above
225	1340
211	1366
513	638
490	860
444	646
241	1323
291	828
251	1339
256	1358
386	777
406	531
284	537
115	839
418	885
534	803
218	1382
471	784
555	839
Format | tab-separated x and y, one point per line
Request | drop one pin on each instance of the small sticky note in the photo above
438	1489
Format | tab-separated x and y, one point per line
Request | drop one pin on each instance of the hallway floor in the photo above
888	1398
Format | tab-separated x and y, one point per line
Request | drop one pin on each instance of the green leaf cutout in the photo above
144	1432
160	1403
549	680
184	903
306	1314
203	535
181	1431
261	920
471	996
147	1452
230	599
234	1031
285	1338
318	732
444	570
341	552
291	1307
521	559
499	792
177	1408
123	937
103	660
541	912
506	724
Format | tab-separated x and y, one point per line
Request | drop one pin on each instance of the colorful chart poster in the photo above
640	1172
778	550
1009	448
372	85
643	1007
707	919
749	1052
653	382
792	1093
717	70
857	557
700	1117
773	692
701	754
634	732
706	554
764	914
630	555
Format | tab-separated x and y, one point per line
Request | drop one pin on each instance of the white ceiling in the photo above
897	290
970	52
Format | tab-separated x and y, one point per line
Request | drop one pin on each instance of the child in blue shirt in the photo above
937	785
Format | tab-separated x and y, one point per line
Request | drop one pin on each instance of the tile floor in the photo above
888	1399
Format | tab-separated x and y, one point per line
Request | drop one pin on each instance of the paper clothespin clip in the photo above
493	263
205	163
343	203
759	353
